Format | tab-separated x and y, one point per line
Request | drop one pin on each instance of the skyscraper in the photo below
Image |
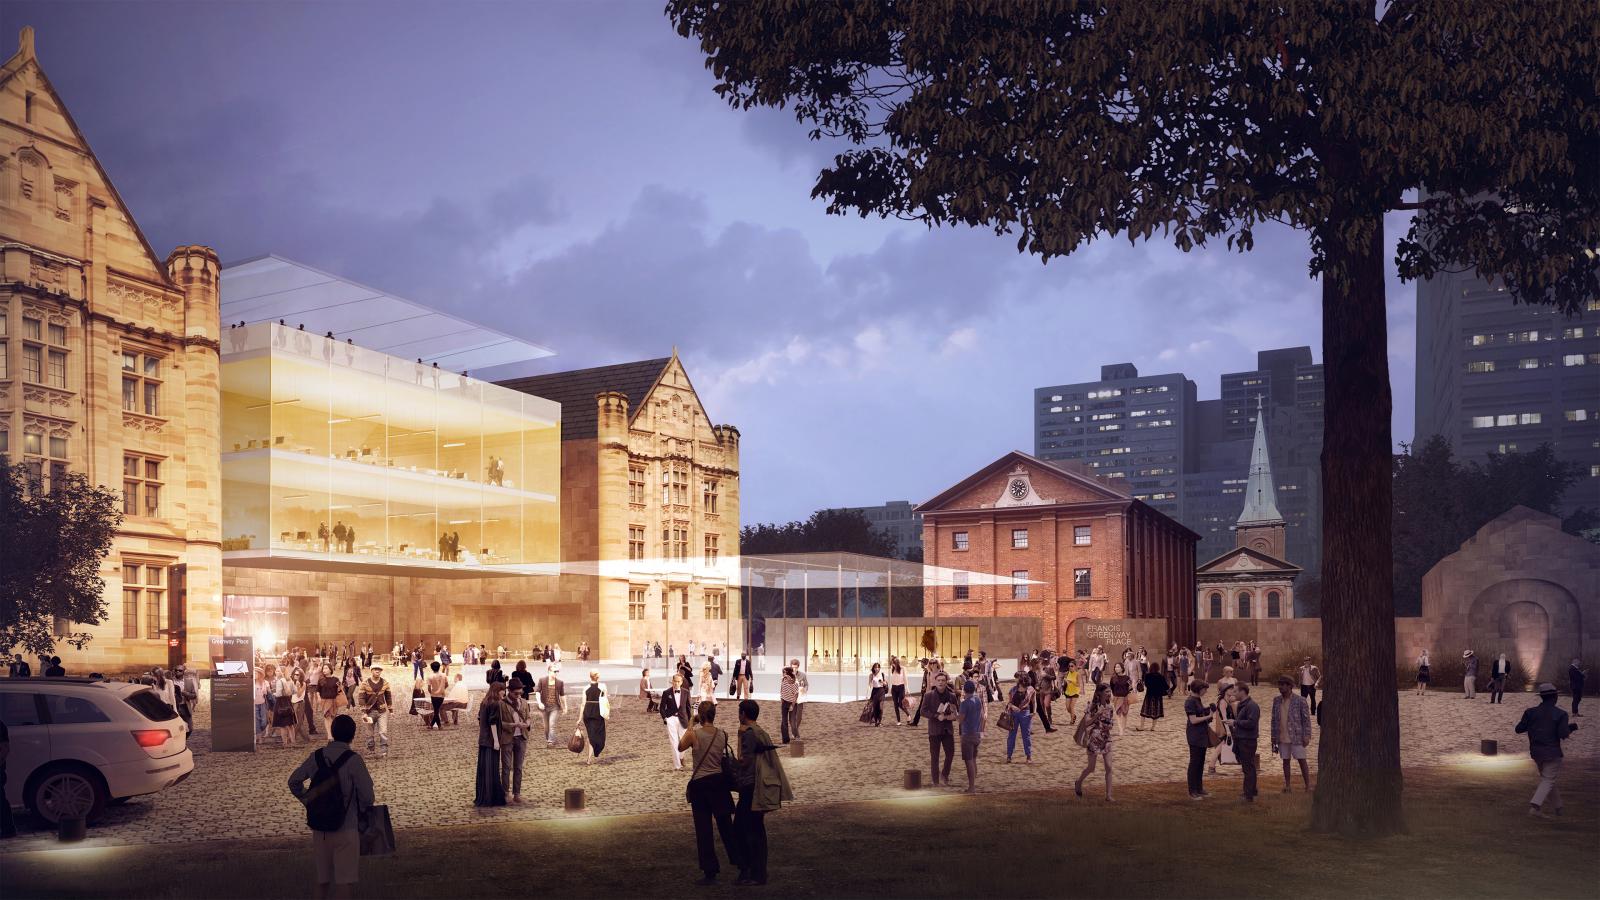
1189	458
1498	377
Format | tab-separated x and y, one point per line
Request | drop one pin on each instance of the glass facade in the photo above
330	450
852	648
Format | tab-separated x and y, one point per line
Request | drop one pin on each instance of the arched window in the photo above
1216	605
1244	604
1274	605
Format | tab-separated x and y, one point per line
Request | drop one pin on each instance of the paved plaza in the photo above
427	777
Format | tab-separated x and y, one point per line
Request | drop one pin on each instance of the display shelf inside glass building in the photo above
339	457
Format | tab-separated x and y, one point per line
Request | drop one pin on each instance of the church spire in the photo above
1261	498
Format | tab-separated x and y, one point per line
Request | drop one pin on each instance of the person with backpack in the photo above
339	793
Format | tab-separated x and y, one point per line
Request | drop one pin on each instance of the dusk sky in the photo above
564	172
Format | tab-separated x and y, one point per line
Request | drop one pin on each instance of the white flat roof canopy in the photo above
269	288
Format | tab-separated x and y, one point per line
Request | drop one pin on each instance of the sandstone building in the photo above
1108	569
650	507
109	368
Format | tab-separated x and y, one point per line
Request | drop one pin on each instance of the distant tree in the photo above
827	530
930	642
1061	122
1440	502
51	547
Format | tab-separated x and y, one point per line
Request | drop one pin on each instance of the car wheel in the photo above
66	791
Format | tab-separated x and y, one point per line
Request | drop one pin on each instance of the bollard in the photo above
1489	747
797	748
913	779
69	830
574	800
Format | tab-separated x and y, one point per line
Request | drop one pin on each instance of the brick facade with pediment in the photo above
1095	552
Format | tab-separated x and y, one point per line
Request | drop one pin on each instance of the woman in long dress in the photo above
302	709
596	709
1155	697
488	789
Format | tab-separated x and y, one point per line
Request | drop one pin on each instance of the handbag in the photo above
866	712
1081	735
576	742
377	831
1005	722
726	781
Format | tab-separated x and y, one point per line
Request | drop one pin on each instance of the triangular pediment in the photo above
50	178
1018	480
1244	560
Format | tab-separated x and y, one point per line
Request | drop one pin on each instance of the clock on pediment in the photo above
1019	490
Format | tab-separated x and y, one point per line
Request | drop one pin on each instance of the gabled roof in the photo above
1095	485
576	391
19	61
1270	562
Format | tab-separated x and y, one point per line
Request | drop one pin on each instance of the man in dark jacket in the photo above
1246	734
1546	726
1575	680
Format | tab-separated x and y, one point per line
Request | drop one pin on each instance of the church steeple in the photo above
1261	498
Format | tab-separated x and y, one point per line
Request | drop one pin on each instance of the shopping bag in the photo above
377	832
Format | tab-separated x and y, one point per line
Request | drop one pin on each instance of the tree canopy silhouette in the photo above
1059	122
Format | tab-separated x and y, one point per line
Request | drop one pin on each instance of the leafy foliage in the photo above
1061	121
1439	502
51	547
828	530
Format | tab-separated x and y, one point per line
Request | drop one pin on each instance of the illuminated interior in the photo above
857	647
411	464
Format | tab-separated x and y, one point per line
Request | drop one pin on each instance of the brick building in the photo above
108	369
1092	551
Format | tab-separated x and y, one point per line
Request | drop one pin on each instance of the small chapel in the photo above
1253	580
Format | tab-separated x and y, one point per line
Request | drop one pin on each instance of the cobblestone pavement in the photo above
427	777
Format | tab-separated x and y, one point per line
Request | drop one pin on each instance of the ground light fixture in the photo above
1489	747
573	800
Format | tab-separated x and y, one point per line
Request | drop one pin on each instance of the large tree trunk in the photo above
1358	759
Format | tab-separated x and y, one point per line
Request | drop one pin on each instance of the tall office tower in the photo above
1191	458
898	519
1497	377
1123	426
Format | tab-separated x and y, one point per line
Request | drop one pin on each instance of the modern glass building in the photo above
341	458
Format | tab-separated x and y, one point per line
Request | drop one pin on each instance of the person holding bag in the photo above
762	786
1019	705
1198	735
1095	736
596	710
707	792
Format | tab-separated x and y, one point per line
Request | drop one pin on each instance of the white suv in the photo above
77	745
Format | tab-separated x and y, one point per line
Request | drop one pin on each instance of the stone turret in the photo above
195	270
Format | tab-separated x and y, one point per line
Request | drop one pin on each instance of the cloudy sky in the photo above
563	172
